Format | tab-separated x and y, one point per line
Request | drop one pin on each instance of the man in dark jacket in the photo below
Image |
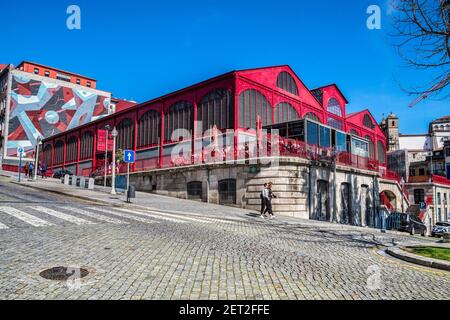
264	196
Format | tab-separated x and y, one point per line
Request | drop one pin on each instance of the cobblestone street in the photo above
197	251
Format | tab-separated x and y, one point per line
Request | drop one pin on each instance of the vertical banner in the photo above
101	141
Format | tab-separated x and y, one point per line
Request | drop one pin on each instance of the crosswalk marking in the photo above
124	215
180	217
2	226
25	217
95	215
152	216
62	216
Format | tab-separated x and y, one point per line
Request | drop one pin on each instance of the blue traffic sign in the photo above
128	156
423	206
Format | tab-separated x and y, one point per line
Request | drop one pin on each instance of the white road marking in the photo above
152	215
2	226
201	220
95	215
25	217
62	216
123	215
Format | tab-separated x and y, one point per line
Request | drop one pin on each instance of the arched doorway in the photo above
388	199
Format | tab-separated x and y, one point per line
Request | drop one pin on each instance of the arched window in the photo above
125	134
334	107
368	122
59	152
149	129
253	103
381	152
194	190
312	116
87	145
72	149
216	108
354	132
48	154
371	147
227	191
178	116
284	112
286	82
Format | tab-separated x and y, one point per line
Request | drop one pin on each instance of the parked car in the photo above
440	229
61	173
412	224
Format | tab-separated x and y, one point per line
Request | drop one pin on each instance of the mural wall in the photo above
42	109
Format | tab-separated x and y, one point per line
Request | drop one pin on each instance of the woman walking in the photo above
269	200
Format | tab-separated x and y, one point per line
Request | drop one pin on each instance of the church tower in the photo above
389	126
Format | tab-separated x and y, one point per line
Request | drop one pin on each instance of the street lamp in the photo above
113	182
107	128
36	160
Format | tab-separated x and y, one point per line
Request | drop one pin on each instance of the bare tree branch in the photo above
422	33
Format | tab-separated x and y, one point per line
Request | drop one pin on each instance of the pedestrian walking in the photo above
30	170
26	168
263	195
44	170
271	196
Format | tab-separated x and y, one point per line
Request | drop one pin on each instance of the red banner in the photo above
101	141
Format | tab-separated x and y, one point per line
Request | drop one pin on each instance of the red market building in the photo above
236	101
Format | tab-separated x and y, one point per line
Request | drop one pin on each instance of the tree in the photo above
422	33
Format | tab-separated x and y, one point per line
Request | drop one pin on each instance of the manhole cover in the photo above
64	273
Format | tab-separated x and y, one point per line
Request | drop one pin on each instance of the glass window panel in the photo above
312	133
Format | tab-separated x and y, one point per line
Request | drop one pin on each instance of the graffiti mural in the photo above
42	109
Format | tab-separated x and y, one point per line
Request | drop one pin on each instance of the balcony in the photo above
428	179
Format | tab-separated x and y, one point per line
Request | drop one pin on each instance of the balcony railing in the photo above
283	147
429	178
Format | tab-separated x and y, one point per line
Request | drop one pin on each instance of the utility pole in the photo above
36	160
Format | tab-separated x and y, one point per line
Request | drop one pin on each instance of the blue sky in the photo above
140	50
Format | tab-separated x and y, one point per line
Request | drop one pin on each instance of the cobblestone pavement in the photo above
167	254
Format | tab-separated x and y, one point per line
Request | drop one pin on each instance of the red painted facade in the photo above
263	81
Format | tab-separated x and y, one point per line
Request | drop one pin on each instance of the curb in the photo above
397	252
69	194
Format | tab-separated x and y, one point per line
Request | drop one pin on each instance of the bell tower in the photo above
389	126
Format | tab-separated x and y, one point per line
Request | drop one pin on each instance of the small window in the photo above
419	196
227	191
194	190
78	81
47	73
36	70
88	84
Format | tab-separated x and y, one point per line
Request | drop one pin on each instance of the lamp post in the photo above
36	160
113	182
107	128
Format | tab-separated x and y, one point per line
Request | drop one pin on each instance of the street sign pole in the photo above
128	176
20	164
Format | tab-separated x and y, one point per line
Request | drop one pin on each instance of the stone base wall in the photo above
295	182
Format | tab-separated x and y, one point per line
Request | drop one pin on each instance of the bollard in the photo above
74	181
91	184
131	193
66	179
82	182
